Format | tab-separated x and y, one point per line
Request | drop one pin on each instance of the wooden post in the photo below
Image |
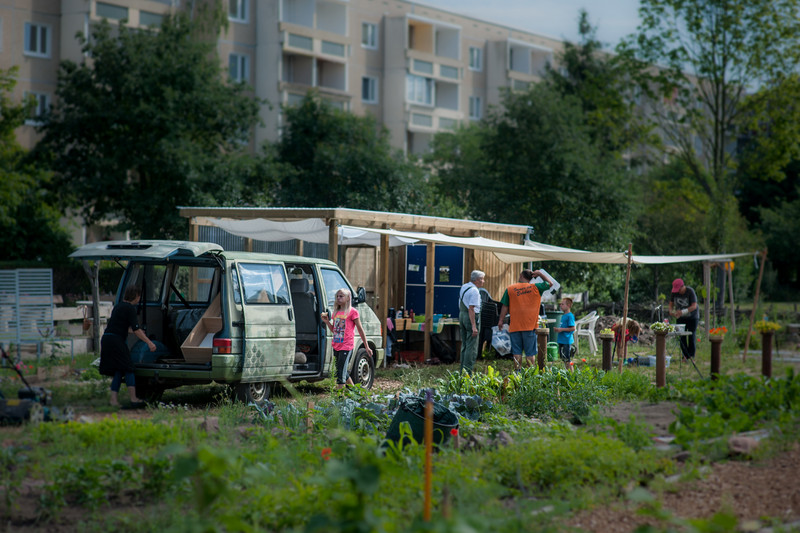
298	247
430	273
333	240
707	298
93	273
661	349
755	304
730	292
383	287
766	353
716	350
606	340
541	341
623	350
428	453
248	245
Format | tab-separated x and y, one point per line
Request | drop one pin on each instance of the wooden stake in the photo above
428	454
755	304
623	351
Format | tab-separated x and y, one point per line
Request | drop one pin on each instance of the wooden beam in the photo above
755	304
298	247
707	298
333	240
383	285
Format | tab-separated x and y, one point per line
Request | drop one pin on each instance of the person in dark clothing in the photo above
683	306
115	358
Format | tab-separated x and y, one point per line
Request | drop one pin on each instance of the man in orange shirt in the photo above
523	299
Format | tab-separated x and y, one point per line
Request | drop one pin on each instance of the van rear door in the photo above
268	334
143	250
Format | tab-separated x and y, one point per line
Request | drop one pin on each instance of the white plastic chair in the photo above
585	328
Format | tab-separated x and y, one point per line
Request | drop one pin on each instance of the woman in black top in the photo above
115	358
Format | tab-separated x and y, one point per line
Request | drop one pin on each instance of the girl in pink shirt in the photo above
345	321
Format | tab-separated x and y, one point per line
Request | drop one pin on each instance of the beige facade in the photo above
417	69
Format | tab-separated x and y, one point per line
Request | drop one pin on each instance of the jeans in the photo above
116	381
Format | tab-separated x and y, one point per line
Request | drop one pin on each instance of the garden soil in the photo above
749	490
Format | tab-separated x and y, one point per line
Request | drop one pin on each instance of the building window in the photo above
369	35
110	11
39	110
369	90
239	68
150	19
37	40
237	10
475	58
419	90
475	107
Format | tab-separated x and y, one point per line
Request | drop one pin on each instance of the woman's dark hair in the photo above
131	293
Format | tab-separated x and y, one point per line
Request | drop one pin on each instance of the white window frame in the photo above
47	39
417	86
42	104
475	107
371	42
242	63
239	11
373	88
475	58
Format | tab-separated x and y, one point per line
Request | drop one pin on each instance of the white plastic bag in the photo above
501	340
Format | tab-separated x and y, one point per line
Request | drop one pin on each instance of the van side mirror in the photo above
361	296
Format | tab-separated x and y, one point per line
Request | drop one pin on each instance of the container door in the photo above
449	272
268	336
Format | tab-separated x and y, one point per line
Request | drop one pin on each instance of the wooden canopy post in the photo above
755	304
430	275
333	240
623	351
730	292
707	298
383	286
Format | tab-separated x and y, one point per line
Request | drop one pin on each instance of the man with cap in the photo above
683	306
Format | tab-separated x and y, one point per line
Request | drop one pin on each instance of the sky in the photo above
613	19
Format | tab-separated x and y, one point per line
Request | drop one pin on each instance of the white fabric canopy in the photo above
315	230
309	230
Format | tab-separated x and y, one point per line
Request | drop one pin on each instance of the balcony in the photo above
324	15
302	72
526	62
433	38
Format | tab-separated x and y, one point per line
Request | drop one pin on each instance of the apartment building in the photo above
419	70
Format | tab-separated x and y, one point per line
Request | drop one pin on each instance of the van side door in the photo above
268	335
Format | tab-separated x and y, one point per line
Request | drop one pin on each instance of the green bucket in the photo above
552	351
412	410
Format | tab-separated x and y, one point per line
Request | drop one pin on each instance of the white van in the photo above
245	319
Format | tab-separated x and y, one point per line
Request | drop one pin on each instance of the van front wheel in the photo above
364	369
256	392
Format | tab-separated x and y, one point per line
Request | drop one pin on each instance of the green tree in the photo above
534	161
29	224
709	53
602	84
148	122
338	159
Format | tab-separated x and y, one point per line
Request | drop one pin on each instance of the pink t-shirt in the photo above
343	330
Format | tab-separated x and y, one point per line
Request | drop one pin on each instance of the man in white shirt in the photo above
469	305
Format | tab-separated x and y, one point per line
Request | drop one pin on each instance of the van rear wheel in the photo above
256	392
364	369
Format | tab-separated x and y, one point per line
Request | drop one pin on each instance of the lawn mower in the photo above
32	404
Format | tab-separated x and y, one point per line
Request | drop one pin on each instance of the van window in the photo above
193	283
264	284
334	280
151	275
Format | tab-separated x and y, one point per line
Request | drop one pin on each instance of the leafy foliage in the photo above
146	122
29	223
338	159
710	54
